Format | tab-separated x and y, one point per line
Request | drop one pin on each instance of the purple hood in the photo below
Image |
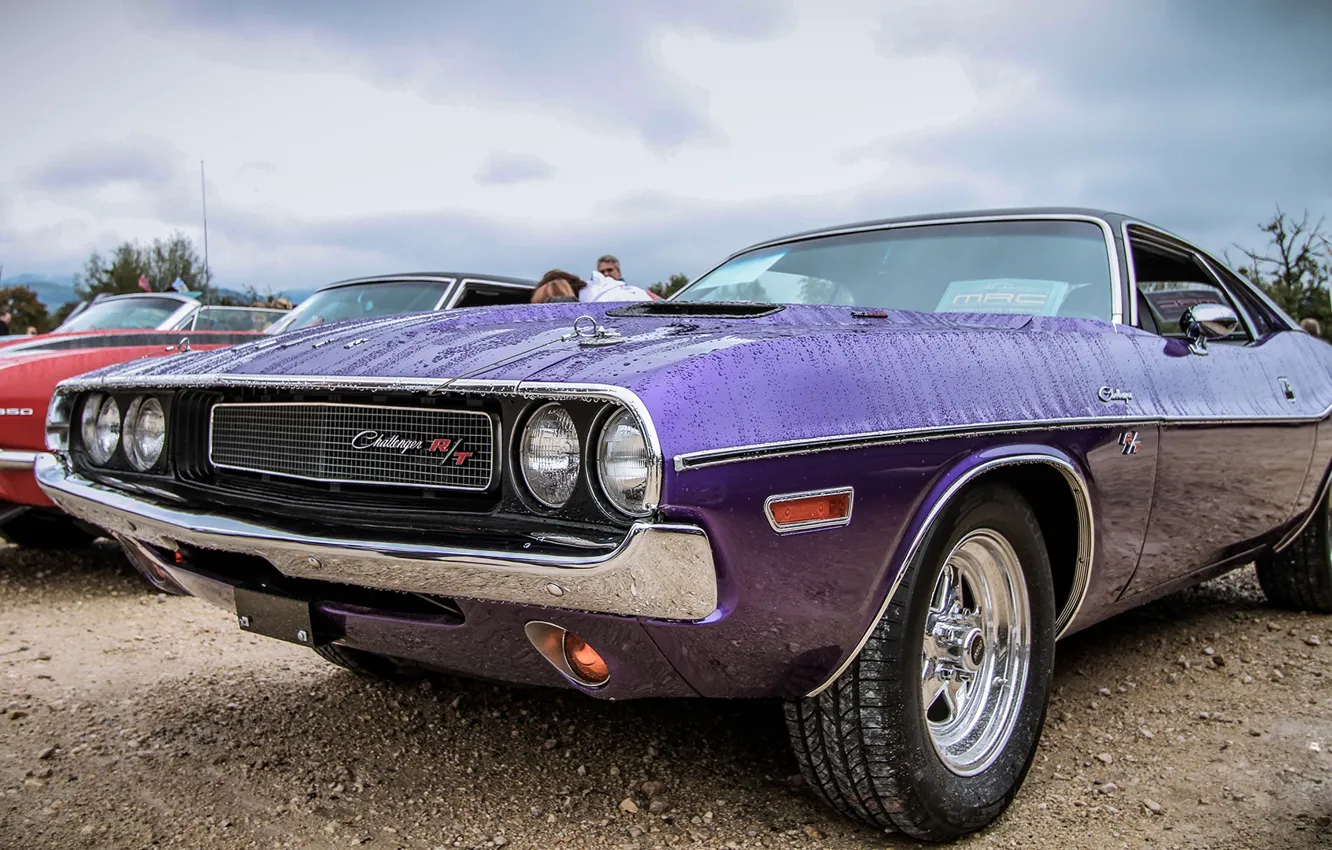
718	382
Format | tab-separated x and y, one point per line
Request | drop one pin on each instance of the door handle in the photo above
1287	389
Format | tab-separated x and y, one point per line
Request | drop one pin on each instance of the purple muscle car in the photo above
873	471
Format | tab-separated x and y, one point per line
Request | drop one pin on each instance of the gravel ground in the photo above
135	720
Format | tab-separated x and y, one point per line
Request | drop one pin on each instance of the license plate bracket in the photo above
274	616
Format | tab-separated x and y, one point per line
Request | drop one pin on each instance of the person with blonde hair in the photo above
1312	326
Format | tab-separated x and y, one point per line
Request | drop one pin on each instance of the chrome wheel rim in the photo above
976	652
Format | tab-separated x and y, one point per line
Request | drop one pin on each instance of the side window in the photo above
1170	280
481	295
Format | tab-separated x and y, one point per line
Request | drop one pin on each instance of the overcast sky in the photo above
511	136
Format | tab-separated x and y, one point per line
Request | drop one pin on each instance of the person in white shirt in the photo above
603	288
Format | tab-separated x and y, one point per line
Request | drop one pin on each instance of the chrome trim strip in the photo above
660	570
525	389
1082	570
17	459
494	444
810	525
761	451
1116	295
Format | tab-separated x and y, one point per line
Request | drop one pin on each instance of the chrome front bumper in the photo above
11	459
663	571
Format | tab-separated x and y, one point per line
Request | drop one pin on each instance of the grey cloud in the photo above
502	168
139	160
1198	116
594	60
654	234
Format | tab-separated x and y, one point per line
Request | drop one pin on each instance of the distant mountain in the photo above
52	290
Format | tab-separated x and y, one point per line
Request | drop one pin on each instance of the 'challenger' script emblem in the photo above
1129	442
1109	394
446	447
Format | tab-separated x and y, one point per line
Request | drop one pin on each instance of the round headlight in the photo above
145	432
623	463
550	455
100	427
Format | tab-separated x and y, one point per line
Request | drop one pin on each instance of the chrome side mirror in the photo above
1202	322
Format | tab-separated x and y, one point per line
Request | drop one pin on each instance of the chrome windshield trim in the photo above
660	570
785	448
1107	231
1082	570
17	459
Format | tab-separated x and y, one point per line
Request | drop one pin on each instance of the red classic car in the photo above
161	324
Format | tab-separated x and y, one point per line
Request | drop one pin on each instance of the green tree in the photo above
26	311
1294	268
672	285
161	262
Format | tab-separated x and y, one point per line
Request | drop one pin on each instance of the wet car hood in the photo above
537	343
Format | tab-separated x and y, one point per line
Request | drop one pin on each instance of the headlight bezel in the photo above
651	463
93	408
123	462
520	451
129	433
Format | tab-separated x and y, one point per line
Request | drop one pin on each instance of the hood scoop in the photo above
698	309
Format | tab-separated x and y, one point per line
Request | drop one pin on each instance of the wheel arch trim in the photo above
964	475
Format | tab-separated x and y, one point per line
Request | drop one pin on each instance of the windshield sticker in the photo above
744	270
1004	295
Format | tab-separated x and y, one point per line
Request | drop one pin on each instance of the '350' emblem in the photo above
15	411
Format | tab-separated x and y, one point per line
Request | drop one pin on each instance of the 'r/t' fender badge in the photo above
1129	442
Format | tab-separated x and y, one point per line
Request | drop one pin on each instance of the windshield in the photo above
235	318
1045	268
362	301
123	314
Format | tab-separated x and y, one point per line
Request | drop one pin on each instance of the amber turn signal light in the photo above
586	663
810	510
568	653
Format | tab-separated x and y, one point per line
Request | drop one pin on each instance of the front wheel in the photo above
933	727
1299	577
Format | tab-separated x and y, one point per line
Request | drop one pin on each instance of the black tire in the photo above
1300	576
41	529
863	744
368	664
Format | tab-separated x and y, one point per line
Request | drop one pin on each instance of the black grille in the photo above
356	443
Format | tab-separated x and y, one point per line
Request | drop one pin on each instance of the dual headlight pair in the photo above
550	455
142	430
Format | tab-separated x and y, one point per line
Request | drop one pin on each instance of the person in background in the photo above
5	319
557	285
1312	326
32	331
608	265
603	288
